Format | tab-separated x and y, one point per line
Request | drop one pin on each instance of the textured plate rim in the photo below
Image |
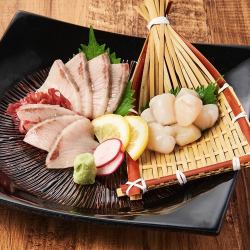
9	201
20	205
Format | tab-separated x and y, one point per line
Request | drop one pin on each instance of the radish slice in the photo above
107	151
112	166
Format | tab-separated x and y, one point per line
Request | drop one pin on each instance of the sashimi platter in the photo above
97	120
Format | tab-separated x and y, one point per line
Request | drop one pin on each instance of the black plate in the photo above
33	42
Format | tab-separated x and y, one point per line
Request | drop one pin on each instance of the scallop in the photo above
187	109
166	130
207	117
162	107
169	130
186	135
160	138
184	91
147	115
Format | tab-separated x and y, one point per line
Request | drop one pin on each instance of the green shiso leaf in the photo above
94	49
175	91
208	94
113	58
127	101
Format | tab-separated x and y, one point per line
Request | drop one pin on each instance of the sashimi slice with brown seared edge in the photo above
60	79
40	112
119	77
43	134
78	68
75	139
99	71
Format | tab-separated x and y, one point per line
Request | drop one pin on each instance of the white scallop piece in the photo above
160	139
166	130
185	91
162	107
208	116
186	135
187	109
147	115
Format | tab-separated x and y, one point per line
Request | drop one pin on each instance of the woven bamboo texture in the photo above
168	61
219	144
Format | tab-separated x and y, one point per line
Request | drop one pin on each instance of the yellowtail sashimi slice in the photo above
60	79
43	134
41	112
75	139
78	68
119	77
99	68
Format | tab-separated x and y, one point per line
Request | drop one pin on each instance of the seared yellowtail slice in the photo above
78	68
44	134
100	76
119	77
41	112
60	79
75	139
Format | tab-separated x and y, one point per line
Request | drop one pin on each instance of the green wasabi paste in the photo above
84	169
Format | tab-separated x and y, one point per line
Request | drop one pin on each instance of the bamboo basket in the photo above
168	60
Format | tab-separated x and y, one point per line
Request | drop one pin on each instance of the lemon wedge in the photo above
138	136
112	126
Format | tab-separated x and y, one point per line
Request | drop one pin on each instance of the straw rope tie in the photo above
225	85
158	20
236	163
135	183
240	115
181	177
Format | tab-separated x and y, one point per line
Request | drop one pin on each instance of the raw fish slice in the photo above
77	138
78	68
100	76
60	79
119	77
43	134
41	112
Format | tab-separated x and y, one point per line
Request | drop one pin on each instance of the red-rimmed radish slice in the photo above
112	166
107	151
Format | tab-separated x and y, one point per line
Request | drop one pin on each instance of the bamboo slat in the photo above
172	61
144	82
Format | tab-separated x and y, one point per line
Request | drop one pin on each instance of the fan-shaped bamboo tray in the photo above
210	155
